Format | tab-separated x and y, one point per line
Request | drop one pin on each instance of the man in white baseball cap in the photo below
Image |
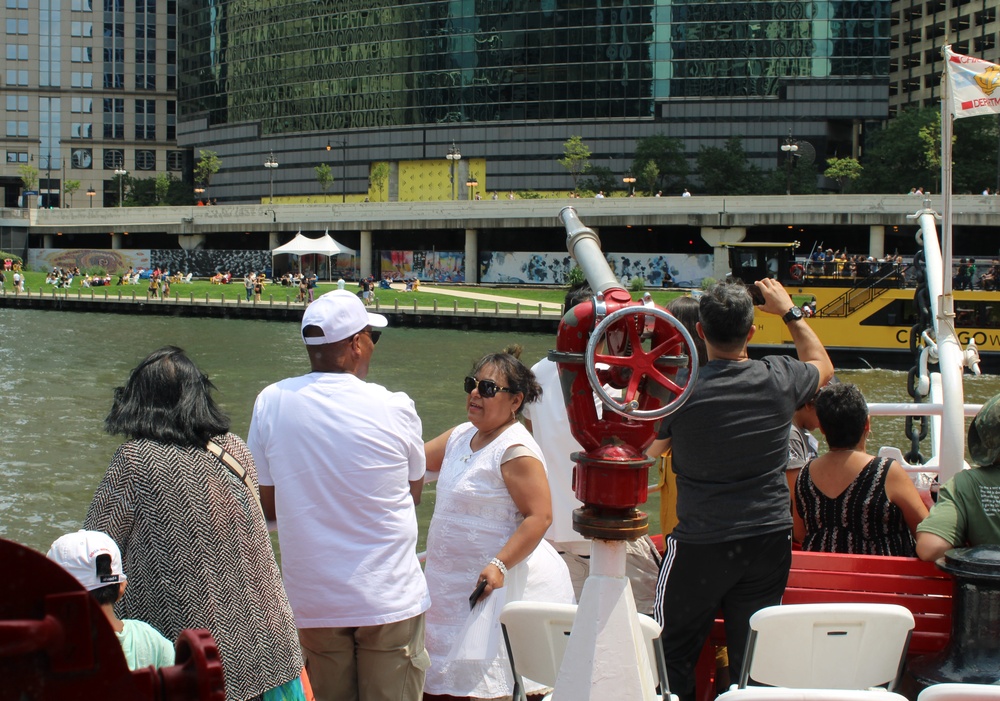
337	315
340	463
96	562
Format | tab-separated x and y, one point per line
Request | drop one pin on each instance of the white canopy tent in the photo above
303	246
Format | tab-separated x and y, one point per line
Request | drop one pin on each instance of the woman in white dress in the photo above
490	515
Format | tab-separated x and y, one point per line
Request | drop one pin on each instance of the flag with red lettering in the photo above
974	83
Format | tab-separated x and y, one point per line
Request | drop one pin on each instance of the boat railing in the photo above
863	292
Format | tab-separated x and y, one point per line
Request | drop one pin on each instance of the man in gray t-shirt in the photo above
731	549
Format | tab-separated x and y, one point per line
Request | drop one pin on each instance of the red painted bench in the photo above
829	578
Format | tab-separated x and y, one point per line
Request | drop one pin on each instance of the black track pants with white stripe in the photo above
738	577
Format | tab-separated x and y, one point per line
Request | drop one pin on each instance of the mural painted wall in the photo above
553	268
434	266
201	263
87	259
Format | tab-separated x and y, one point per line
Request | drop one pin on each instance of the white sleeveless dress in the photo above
474	516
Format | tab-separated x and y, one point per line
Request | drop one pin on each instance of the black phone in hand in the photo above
480	588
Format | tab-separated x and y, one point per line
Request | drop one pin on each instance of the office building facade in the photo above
920	29
89	88
507	82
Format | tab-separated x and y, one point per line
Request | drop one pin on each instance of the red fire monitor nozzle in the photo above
632	356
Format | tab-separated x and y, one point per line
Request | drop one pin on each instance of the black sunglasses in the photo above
487	388
374	334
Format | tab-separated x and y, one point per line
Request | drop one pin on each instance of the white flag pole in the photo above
947	122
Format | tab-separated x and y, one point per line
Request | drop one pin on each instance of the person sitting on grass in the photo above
96	562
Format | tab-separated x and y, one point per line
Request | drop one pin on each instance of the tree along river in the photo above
58	371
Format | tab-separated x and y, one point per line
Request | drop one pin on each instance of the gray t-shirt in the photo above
802	447
730	447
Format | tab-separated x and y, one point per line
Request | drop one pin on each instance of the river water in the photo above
58	371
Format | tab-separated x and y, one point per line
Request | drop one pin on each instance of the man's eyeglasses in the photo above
487	388
375	335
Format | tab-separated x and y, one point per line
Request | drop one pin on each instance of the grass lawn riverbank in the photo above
446	296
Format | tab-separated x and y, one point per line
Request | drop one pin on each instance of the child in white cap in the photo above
95	560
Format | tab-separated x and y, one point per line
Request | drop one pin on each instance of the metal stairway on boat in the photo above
861	294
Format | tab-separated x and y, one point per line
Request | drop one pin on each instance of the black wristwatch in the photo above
793	314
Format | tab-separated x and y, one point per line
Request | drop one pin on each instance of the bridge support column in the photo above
49	241
472	255
365	254
117	239
191	242
273	240
716	238
876	241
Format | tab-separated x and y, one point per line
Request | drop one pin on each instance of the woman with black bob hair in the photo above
181	500
167	399
847	501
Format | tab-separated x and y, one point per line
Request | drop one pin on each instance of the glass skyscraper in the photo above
509	81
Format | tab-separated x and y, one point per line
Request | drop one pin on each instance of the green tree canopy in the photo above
726	171
975	154
208	165
648	177
843	170
160	190
69	187
576	158
599	178
162	186
29	176
668	154
324	176
894	156
379	177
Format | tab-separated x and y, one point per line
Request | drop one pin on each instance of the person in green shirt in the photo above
967	511
95	560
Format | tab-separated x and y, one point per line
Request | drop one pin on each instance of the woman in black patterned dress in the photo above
193	538
847	501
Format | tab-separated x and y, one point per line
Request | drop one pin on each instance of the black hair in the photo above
577	294
685	310
726	312
107	594
167	399
842	412
518	377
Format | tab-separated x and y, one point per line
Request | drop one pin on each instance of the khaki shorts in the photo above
368	663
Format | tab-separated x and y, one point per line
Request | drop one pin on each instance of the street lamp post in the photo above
90	195
343	165
121	173
271	164
48	181
629	181
199	191
453	156
472	184
790	149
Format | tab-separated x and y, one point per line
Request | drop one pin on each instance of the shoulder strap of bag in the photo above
234	466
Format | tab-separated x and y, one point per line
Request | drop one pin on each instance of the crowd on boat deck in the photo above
177	533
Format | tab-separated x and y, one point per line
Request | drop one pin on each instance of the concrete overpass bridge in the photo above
521	224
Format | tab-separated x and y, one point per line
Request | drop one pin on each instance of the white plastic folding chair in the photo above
536	635
767	693
960	692
827	646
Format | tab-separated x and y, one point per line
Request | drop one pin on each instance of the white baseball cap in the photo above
339	314
77	553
